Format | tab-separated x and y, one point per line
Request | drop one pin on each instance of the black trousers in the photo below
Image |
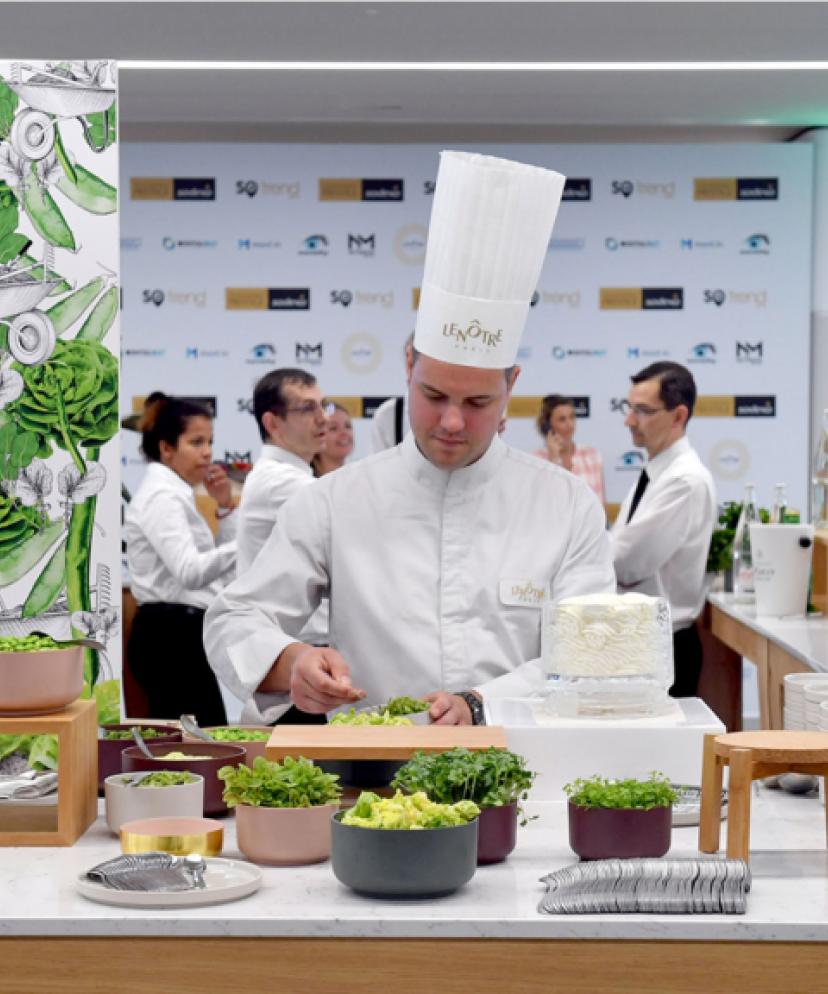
687	657
166	655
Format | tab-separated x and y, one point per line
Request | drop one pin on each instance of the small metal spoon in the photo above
142	745
195	865
66	643
191	727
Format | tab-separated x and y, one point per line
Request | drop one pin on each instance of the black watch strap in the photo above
475	706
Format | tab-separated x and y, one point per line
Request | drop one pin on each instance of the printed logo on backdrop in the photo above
244	405
263	354
735	407
267	298
729	459
363	298
755	407
754	298
234	456
267	188
172	188
750	352
362	245
614	244
756	244
637	298
636	352
195	352
255	244
176	298
144	353
581	406
619	405
704	352
373	190
361	353
690	244
626	188
567	245
577	190
131	244
571	299
429	186
559	352
308	354
736	188
170	244
314	245
630	461
410	244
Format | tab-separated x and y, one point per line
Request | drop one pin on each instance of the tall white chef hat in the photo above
487	239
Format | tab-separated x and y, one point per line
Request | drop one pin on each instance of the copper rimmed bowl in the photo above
39	682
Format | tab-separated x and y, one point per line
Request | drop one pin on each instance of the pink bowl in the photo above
39	682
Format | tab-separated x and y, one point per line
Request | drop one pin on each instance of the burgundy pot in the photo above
215	756
619	833
496	833
109	750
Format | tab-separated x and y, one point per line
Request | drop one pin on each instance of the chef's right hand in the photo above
320	681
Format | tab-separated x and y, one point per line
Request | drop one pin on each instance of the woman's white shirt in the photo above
172	555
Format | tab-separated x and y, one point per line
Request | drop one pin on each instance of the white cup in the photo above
781	568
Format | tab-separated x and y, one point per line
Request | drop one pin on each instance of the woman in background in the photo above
176	566
556	424
339	442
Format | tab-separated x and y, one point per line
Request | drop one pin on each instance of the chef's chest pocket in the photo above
521	603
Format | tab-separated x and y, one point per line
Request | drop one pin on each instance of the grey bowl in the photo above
397	863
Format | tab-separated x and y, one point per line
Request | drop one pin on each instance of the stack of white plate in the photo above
815	694
795	712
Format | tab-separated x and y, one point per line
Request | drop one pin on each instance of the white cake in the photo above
609	635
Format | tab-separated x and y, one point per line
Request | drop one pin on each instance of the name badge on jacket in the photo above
522	593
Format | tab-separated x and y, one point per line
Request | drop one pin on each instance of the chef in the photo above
436	554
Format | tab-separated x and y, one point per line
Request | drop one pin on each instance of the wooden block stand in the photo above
77	730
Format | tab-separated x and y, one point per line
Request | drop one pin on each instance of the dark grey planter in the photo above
401	863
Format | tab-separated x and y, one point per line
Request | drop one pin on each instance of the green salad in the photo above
407	811
27	643
406	705
164	778
181	755
354	717
238	734
118	734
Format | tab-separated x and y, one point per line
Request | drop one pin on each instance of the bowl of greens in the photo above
496	780
202	758
251	738
152	795
114	738
404	846
38	676
283	810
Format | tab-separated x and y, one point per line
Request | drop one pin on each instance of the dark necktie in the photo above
641	486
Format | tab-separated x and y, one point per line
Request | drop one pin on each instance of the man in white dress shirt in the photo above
287	405
662	534
436	554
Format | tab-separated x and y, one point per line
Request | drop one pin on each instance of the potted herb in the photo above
620	818
720	553
495	779
283	810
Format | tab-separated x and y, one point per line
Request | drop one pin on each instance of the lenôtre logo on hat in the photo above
473	337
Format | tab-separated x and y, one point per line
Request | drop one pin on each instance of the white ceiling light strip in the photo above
481	67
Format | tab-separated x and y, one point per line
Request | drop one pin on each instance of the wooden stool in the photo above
750	756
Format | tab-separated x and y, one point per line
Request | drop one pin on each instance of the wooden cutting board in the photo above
378	741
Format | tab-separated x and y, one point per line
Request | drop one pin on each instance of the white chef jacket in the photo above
383	424
277	475
436	578
172	555
663	550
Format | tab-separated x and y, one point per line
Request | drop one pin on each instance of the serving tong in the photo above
151	871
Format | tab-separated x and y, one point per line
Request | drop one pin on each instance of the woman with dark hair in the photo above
339	442
556	424
176	566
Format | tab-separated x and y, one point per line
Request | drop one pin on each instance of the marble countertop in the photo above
788	901
804	638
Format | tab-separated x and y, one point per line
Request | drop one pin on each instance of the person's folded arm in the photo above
658	529
165	525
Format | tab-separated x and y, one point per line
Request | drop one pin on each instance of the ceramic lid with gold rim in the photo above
179	836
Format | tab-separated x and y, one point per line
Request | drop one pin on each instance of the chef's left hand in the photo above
217	484
448	709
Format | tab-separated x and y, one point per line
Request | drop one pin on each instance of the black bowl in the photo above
428	862
363	773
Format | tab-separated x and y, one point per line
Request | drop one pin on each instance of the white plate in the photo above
687	808
226	880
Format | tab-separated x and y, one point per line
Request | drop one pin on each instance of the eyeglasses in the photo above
311	409
640	411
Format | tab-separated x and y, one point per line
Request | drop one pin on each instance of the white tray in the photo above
226	880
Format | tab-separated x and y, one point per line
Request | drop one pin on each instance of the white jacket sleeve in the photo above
164	522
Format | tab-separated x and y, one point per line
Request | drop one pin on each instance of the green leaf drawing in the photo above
66	312
23	556
13	245
37	274
62	156
46	216
17	449
89	191
100	320
102	128
48	586
8	105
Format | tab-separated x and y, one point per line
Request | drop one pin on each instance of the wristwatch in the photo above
475	706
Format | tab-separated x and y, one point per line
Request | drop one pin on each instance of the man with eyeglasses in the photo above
437	553
662	533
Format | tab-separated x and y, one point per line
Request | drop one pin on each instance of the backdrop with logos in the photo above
238	259
60	540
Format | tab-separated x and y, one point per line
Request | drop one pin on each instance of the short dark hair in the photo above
165	419
548	405
676	384
415	355
269	395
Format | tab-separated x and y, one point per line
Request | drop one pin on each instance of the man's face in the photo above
651	425
455	410
302	430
